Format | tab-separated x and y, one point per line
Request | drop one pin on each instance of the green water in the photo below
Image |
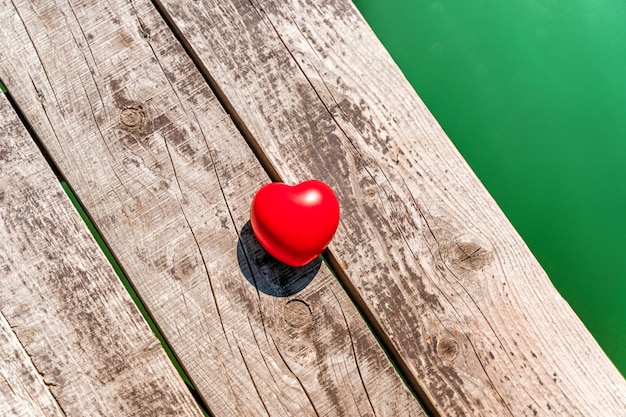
533	94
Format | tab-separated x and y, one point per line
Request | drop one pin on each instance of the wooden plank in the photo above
168	180
72	342
23	392
464	307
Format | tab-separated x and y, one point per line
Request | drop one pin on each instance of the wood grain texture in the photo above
464	306
168	180
72	342
23	392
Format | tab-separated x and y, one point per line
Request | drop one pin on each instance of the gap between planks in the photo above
107	253
471	346
76	343
135	297
366	351
331	261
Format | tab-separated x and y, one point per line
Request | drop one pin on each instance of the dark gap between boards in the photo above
107	252
384	342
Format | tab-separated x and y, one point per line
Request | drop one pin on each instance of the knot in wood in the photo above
447	348
132	117
468	254
297	313
370	192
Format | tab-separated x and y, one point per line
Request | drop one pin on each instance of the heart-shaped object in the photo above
295	223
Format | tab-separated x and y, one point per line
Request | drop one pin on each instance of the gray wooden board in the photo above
465	308
23	392
72	342
168	181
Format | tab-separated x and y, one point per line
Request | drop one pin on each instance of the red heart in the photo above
295	223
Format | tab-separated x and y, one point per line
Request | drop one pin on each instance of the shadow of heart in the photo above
266	273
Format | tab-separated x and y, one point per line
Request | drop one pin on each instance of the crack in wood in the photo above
268	166
41	377
354	355
57	172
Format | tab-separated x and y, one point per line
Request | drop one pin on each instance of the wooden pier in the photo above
164	118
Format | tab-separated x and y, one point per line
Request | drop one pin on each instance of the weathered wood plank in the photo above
72	342
465	308
168	180
23	393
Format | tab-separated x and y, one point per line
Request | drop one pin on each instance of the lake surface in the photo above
533	94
